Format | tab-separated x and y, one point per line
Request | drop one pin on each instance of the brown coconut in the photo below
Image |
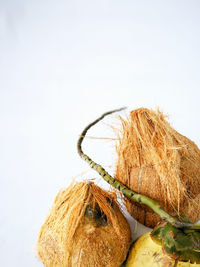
84	228
157	161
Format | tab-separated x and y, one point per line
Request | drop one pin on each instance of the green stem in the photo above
125	190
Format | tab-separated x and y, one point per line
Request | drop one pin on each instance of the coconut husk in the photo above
85	227
157	161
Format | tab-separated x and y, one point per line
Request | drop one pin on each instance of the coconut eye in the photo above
100	216
89	212
96	214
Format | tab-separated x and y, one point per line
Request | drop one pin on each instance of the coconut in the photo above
85	227
157	161
146	252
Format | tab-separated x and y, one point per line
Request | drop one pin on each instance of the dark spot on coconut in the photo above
99	216
89	212
96	214
110	202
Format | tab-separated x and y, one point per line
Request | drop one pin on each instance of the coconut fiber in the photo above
85	228
157	161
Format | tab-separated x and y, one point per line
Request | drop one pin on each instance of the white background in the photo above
62	64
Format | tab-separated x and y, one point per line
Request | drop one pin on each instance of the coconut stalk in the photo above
180	239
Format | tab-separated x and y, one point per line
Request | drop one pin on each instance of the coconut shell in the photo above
157	161
85	227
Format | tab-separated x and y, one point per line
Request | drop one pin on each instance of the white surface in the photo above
62	64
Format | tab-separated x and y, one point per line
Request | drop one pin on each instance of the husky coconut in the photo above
85	227
157	161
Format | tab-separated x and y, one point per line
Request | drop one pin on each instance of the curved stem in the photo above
136	197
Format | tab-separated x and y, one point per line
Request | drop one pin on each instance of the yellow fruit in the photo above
146	253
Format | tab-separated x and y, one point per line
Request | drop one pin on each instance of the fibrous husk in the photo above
85	227
157	161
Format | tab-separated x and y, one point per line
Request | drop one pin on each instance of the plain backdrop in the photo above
62	64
